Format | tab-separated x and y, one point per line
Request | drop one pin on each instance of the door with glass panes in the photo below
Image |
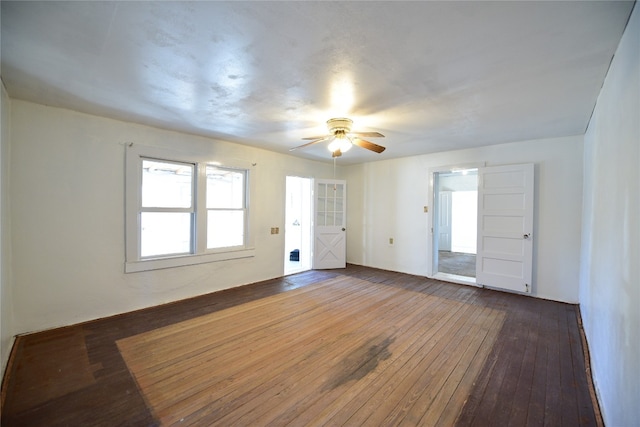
330	238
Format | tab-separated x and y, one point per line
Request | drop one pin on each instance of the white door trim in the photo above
431	244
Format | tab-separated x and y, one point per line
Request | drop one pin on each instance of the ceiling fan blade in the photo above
368	145
322	139
316	137
367	134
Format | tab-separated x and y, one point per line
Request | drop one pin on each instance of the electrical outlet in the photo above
426	209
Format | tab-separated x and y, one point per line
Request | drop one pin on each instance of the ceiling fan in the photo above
342	138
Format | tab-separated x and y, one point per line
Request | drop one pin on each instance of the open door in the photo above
505	224
444	221
298	224
330	239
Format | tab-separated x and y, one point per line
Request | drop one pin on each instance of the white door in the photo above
505	225
444	221
330	238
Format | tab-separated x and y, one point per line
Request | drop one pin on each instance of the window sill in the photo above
181	261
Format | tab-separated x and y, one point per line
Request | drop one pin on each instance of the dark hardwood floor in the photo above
358	346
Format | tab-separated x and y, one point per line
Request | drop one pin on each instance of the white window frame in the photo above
200	254
244	207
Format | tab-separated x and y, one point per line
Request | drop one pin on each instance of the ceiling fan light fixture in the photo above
341	124
340	142
341	139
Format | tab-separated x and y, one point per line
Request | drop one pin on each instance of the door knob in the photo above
526	236
343	229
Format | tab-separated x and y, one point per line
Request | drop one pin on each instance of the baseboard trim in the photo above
587	367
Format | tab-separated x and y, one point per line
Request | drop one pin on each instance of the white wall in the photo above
67	188
610	259
7	327
386	199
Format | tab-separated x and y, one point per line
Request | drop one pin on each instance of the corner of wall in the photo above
7	330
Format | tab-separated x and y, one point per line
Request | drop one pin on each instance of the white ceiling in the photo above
431	76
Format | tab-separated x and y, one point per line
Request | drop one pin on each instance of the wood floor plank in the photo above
215	331
522	393
355	346
448	401
317	368
244	321
339	332
330	404
299	363
350	402
389	395
350	358
360	367
552	417
432	373
569	401
537	397
587	416
509	372
220	366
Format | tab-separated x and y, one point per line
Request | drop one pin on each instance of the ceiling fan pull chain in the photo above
335	186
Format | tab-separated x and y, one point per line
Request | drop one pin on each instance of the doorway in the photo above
298	226
330	239
455	219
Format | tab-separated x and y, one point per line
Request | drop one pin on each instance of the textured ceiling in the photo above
431	76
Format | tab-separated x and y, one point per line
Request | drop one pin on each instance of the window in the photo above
167	208
225	207
183	211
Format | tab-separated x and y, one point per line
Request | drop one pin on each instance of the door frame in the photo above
432	238
308	253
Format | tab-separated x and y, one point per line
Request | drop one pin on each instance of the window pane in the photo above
331	207
165	233
322	190
225	229
166	185
225	188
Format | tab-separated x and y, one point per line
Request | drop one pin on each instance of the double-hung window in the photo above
182	211
167	208
226	207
